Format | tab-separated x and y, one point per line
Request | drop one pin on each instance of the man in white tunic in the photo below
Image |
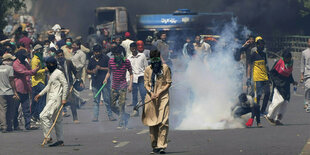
126	44
56	89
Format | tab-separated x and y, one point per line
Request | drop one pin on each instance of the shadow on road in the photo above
72	145
177	152
296	125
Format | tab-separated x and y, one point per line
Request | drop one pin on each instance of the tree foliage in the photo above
304	7
6	6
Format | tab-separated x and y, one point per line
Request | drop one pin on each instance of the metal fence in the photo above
294	42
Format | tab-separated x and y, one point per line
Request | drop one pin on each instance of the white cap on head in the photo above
56	27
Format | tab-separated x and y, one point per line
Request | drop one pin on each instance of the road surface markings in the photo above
122	144
306	149
143	132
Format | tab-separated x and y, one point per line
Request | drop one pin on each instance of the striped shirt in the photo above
119	73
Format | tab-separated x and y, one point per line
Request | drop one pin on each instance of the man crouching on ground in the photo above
157	81
246	105
56	90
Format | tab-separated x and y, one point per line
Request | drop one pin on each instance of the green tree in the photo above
6	6
304	7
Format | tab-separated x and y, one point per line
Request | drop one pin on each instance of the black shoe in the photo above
154	151
9	130
58	143
32	128
278	123
18	129
162	151
271	121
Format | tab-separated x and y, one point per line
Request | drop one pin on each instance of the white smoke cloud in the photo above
216	84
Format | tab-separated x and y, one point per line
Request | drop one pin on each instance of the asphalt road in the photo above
98	137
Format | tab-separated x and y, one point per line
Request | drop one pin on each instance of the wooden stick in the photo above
49	132
59	111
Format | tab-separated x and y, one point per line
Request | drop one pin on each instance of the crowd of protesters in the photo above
117	65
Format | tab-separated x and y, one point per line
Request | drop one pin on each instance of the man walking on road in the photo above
38	82
7	92
22	73
281	75
305	74
98	68
126	44
163	46
118	66
56	89
139	63
157	81
258	64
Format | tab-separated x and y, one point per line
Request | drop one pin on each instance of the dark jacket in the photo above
282	83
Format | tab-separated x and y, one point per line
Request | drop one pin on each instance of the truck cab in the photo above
114	19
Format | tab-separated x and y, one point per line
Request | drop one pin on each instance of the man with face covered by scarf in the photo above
258	65
56	90
22	73
118	66
157	81
38	81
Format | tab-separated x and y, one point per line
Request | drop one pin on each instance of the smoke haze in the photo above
215	84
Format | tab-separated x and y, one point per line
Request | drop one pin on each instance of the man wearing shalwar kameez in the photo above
157	81
56	90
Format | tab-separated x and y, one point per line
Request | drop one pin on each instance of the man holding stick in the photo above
118	66
98	68
138	63
157	81
56	90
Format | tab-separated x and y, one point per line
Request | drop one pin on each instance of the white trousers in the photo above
47	117
307	91
277	107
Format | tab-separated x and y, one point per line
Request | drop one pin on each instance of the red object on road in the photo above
250	122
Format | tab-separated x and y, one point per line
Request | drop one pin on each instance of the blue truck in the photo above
178	25
182	21
181	24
